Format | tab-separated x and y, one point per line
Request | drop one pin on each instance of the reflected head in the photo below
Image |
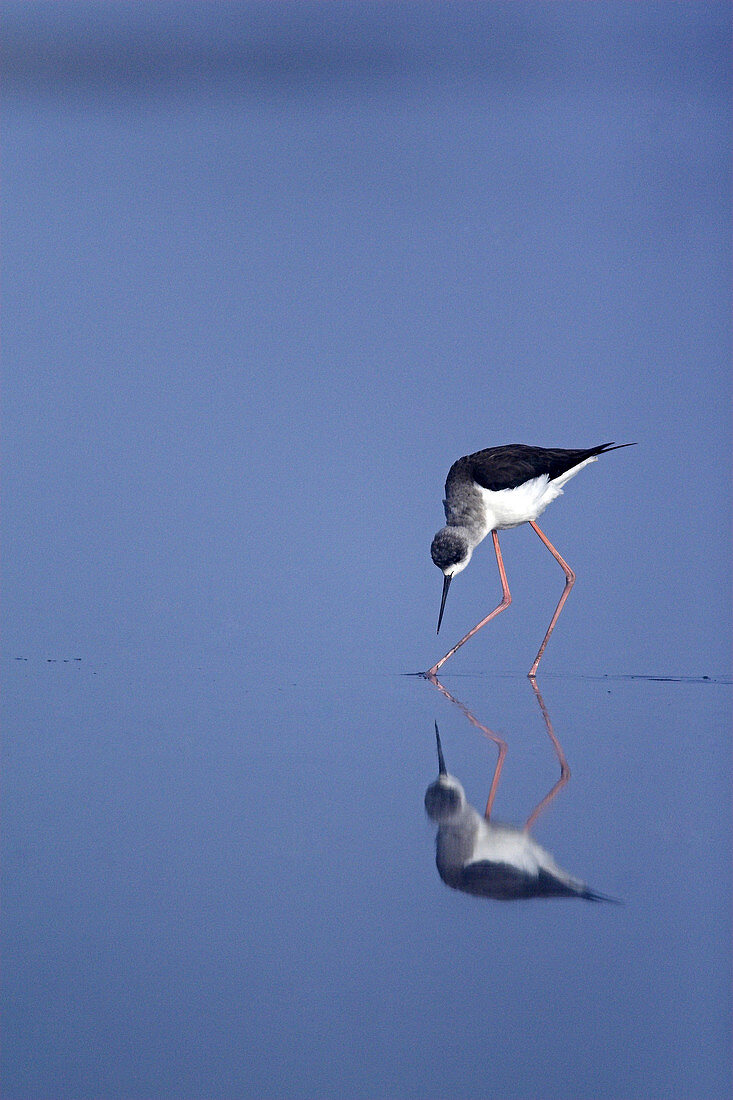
442	799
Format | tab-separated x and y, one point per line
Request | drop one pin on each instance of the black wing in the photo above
503	882
500	881
506	467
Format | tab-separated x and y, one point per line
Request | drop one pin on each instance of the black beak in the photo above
441	761
446	585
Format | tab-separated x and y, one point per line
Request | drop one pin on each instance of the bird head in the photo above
445	797
451	551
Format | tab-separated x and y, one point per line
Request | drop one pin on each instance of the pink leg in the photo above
506	600
500	744
564	769
569	582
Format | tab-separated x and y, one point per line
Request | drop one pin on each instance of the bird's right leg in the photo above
506	600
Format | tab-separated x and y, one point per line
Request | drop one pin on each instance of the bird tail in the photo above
609	447
591	895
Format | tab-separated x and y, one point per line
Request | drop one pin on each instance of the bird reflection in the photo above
489	859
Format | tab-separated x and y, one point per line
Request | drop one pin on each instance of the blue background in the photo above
268	270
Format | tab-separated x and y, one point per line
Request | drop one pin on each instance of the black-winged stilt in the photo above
480	857
493	490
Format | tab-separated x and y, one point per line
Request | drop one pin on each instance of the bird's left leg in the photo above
506	599
569	582
498	741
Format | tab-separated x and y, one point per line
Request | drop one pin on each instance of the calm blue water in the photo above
225	886
268	270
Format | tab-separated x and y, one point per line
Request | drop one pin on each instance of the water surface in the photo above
224	886
268	270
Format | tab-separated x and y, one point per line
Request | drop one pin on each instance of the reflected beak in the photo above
446	585
441	761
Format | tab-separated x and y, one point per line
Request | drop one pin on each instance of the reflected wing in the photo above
504	882
501	881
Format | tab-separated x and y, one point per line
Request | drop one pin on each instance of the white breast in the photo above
504	844
510	507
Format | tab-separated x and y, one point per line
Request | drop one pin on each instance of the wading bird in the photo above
495	489
480	857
